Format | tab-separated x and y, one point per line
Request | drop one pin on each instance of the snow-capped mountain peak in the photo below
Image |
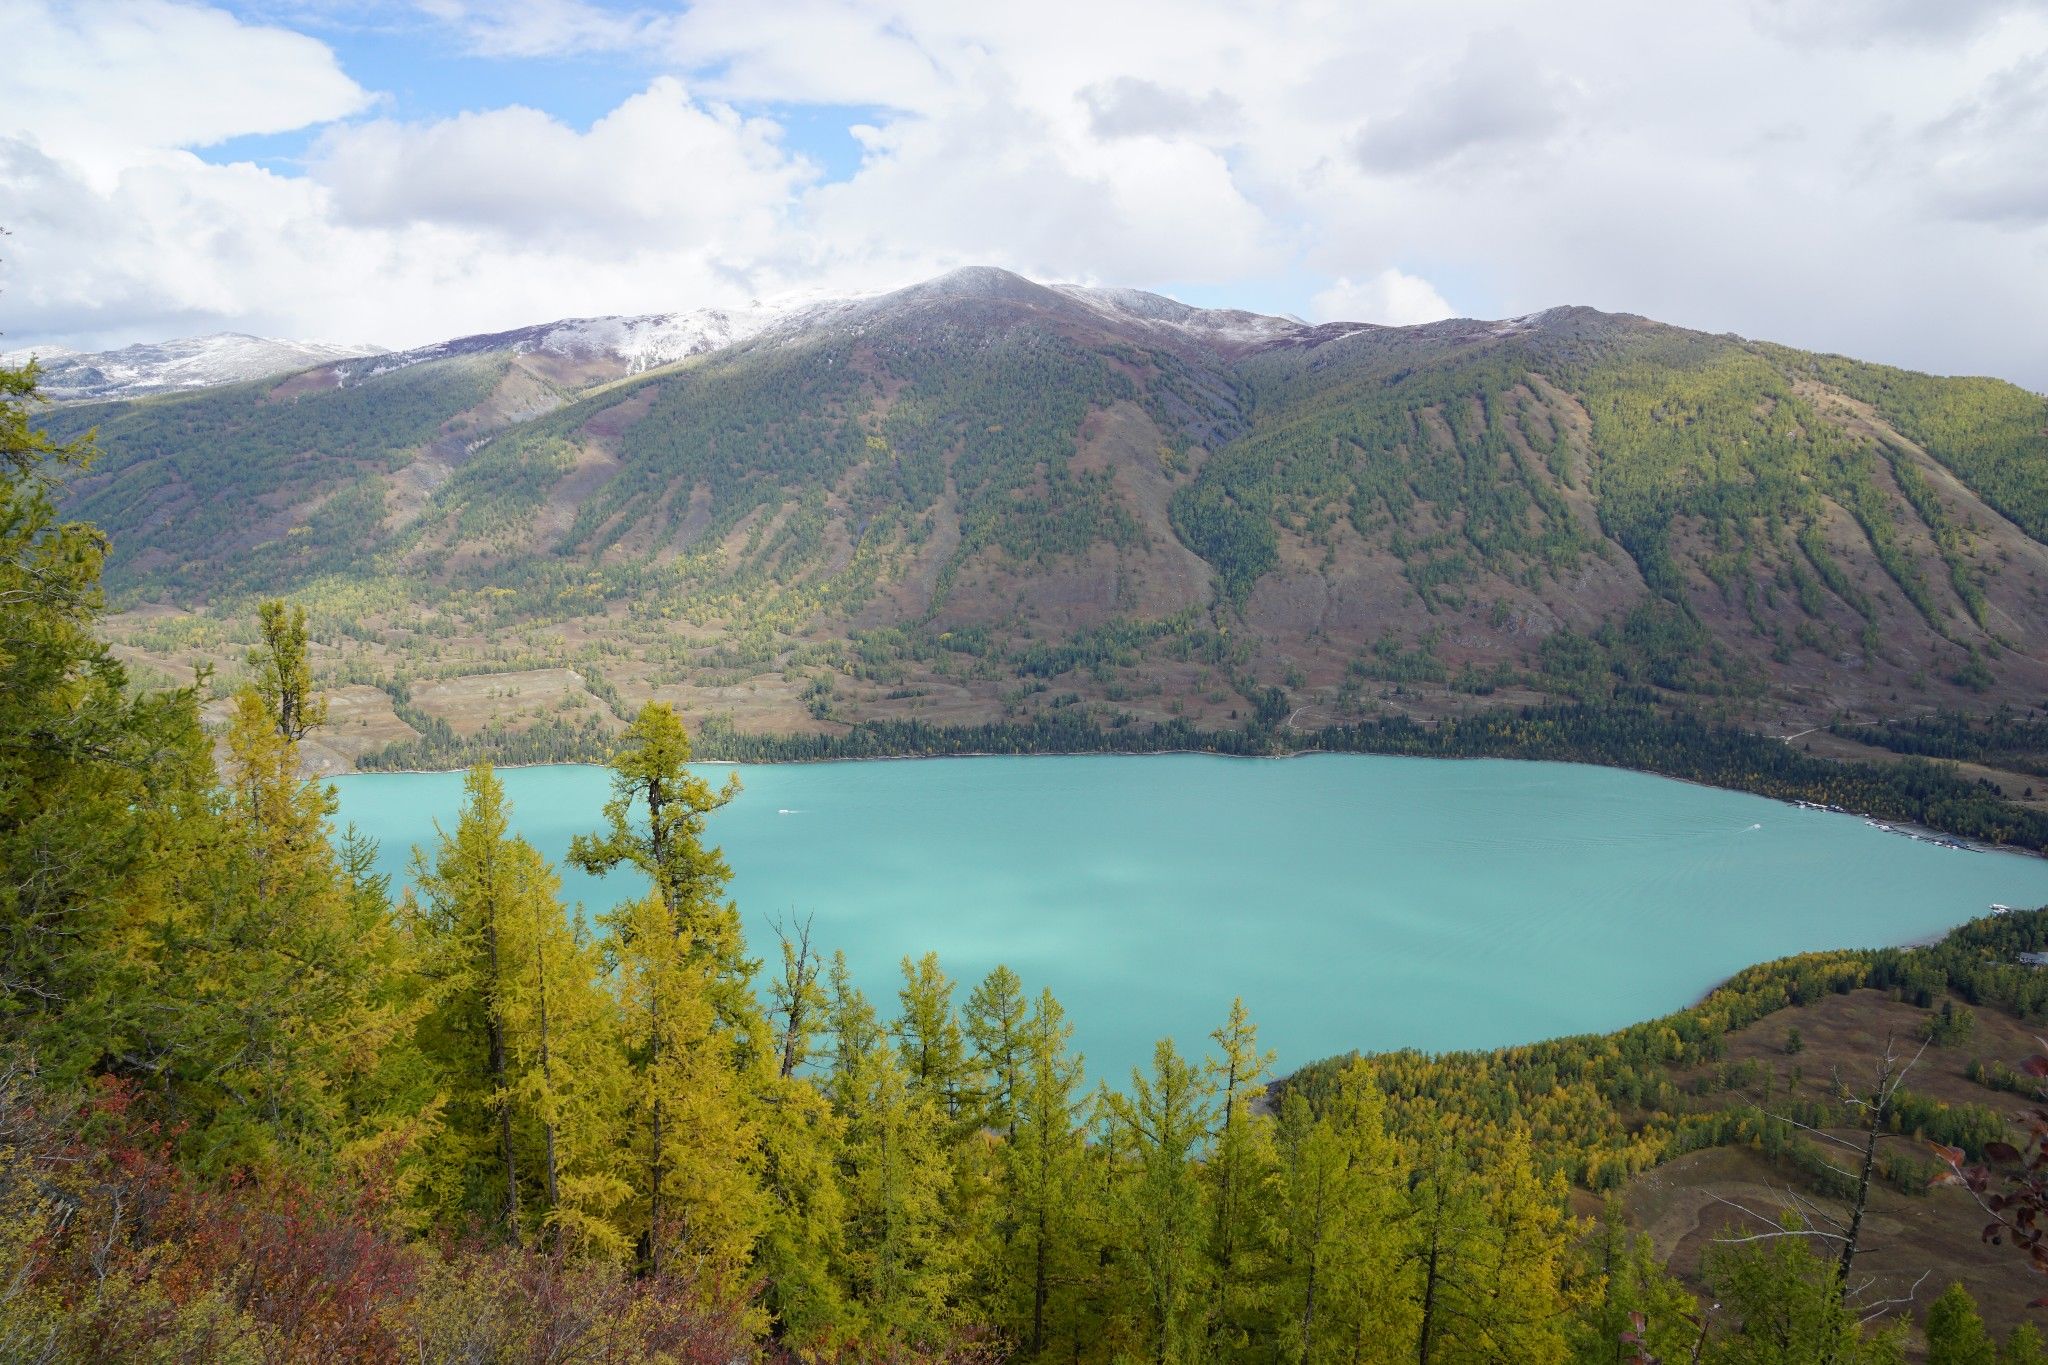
1227	325
173	366
638	343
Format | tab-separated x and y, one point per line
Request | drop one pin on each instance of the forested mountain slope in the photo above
981	498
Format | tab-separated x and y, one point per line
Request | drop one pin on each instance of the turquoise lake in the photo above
1353	901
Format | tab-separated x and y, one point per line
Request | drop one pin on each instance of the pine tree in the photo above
565	1087
469	890
1631	1288
1238	1172
928	1036
694	1133
799	1000
1338	1202
284	671
653	788
1163	1126
1045	1185
1521	1259
524	1035
998	1024
2022	1346
900	1263
802	1138
1784	1306
693	1028
1443	1223
276	993
105	811
1955	1334
856	1034
1483	1256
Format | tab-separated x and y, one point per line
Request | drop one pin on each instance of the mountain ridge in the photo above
181	365
640	341
982	497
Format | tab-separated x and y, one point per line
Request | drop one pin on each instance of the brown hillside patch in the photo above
360	720
1679	1206
1684	1205
515	700
309	381
1164	575
594	463
917	573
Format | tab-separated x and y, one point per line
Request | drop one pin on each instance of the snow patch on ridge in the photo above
172	366
641	342
1229	325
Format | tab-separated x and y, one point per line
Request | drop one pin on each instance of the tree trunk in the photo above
547	1077
1878	1106
801	977
495	1028
656	845
1889	1077
1426	1337
654	1165
1040	1290
1308	1310
1308	1302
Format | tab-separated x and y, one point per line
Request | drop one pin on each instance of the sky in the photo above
1861	176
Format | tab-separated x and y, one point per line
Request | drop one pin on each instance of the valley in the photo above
983	500
229	977
688	683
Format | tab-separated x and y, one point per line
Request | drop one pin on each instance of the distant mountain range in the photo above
173	366
981	497
629	345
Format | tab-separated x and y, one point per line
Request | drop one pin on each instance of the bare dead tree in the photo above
1803	1216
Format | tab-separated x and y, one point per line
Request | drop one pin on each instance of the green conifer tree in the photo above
2022	1346
928	1036
1239	1171
1782	1305
1955	1334
1339	1199
901	1265
105	793
1161	1131
998	1021
1045	1188
694	1030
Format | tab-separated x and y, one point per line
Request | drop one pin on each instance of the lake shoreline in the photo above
1626	734
1928	940
1926	833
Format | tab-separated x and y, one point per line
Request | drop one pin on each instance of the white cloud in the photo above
540	28
101	80
1814	171
1129	107
996	183
1856	23
659	168
1987	158
1496	97
1391	297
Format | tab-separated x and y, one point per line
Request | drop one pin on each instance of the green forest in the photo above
257	1104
